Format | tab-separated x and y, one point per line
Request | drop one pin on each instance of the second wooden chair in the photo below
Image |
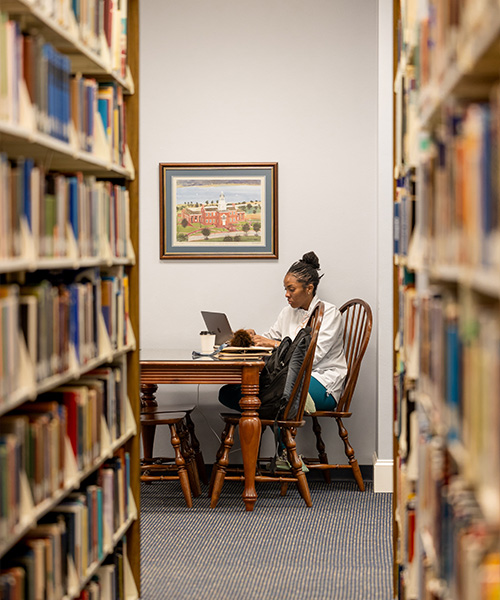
357	316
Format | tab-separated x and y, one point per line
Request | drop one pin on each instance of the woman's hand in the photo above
259	340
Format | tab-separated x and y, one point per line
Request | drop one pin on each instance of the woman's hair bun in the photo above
310	258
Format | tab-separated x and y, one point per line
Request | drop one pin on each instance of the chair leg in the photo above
195	445
148	440
349	452
188	454
320	447
221	466
297	471
181	465
218	456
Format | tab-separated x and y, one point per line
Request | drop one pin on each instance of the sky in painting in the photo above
203	190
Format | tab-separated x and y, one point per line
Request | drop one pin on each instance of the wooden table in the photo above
178	366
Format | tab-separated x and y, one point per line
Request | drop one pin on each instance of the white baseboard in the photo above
382	474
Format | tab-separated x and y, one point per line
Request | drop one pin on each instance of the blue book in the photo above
102	107
397	227
49	105
453	374
73	206
66	97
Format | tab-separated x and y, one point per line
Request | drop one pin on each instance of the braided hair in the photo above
306	270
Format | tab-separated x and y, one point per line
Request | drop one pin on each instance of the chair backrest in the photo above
357	317
301	387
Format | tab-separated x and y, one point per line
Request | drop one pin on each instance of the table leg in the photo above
148	392
148	400
250	431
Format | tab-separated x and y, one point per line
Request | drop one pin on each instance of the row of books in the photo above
68	545
95	106
115	301
101	25
46	74
110	581
406	140
111	108
60	209
57	321
84	91
58	99
461	185
447	33
104	19
460	556
88	415
62	216
61	324
404	213
24	581
34	445
460	366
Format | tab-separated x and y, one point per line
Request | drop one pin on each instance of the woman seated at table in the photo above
329	366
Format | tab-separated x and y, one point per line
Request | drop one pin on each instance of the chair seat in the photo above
329	413
149	418
168	408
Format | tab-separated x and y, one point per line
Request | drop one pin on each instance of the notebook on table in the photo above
252	352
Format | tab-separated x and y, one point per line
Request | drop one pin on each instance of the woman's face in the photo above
297	294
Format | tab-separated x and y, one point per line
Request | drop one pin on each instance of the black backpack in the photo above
278	376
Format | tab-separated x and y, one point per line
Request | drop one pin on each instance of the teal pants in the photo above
322	400
230	395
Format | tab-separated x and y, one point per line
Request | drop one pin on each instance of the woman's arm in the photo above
271	338
260	340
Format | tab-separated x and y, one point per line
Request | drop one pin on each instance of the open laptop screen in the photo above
217	323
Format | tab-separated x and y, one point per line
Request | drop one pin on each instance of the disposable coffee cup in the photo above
207	341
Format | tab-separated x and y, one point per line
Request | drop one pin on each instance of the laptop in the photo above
218	323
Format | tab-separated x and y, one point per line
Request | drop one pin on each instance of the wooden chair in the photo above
288	427
148	399
161	468
357	317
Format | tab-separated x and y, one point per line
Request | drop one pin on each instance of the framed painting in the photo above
218	210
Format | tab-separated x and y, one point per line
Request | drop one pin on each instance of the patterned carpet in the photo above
340	549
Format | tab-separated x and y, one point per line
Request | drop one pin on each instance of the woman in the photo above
329	367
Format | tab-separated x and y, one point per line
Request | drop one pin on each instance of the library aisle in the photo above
447	266
68	327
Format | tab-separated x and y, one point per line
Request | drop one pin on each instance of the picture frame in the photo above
218	210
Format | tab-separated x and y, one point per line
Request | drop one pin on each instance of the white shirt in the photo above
329	365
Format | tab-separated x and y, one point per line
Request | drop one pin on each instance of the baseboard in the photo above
382	474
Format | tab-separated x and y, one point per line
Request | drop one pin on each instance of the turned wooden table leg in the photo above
250	431
148	400
148	395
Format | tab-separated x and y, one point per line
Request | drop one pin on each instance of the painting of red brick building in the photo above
220	215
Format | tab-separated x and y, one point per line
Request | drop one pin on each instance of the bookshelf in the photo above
69	368
447	281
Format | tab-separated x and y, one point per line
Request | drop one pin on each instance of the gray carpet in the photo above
340	549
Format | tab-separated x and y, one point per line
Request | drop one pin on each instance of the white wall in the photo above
265	80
